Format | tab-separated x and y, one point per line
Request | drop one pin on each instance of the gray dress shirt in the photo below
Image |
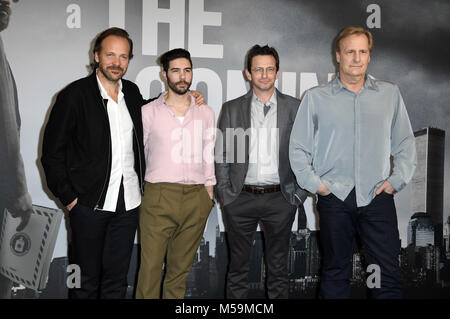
264	147
345	139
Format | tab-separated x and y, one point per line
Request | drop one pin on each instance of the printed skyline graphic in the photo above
425	261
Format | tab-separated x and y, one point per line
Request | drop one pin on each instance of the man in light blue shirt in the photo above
340	148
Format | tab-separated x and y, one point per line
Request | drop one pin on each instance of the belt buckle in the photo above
259	189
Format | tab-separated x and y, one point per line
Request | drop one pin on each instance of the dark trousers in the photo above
241	218
102	243
377	227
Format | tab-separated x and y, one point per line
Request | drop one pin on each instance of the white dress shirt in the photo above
122	154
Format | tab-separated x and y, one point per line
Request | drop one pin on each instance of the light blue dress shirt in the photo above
345	140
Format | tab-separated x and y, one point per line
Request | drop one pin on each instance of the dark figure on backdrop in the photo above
255	183
13	187
341	146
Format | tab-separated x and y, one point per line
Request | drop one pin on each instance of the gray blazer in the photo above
230	176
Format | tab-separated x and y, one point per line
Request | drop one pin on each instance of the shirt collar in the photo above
162	99
272	101
103	91
336	84
370	83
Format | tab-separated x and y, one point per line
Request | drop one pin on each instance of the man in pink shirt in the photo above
179	156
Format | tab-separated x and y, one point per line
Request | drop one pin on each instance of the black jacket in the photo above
231	176
76	150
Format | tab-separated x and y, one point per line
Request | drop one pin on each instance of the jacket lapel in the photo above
282	114
282	123
246	122
245	110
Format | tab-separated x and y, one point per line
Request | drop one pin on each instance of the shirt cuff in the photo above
210	182
313	184
396	182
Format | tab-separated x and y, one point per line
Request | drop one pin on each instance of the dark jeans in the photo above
377	227
102	243
241	218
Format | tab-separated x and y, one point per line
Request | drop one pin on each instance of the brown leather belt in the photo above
262	189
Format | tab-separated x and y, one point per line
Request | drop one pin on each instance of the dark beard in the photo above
174	88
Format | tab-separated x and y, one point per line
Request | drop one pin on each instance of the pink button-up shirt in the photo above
178	151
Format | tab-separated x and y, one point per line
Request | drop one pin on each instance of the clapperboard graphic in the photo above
25	256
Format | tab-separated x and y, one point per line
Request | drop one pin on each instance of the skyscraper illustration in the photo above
428	180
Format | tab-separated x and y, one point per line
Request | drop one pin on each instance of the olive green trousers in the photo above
171	223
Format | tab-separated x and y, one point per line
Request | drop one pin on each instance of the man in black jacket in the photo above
93	160
255	182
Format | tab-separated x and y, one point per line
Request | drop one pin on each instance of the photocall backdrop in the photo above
48	44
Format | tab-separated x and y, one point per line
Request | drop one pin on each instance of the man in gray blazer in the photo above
255	182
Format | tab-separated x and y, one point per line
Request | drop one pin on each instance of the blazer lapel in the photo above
246	122
282	121
246	107
282	113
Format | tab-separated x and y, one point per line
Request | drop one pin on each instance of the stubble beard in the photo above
264	88
109	76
